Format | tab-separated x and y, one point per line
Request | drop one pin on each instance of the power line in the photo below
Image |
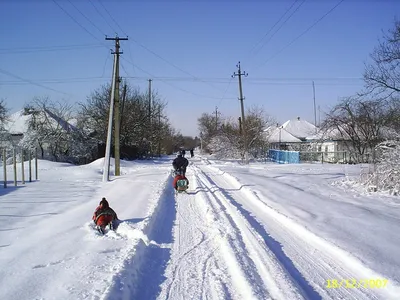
32	82
98	11
112	18
227	87
271	80
79	24
94	25
174	86
276	23
170	63
303	33
279	28
48	49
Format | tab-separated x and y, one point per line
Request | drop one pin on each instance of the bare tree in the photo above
361	122
49	127
139	127
382	76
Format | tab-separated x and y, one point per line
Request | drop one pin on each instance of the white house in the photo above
17	124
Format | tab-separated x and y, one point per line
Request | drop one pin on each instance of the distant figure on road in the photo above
191	153
183	152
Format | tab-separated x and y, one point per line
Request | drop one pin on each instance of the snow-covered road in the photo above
241	232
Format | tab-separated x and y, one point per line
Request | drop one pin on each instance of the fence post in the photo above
22	166
15	167
30	165
322	158
36	164
5	167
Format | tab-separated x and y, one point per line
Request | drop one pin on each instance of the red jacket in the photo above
179	177
104	216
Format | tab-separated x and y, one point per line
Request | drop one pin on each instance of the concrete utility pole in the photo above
241	98
315	109
114	105
149	130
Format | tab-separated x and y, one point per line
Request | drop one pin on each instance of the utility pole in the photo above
315	109
123	104
114	105
149	130
241	98
216	118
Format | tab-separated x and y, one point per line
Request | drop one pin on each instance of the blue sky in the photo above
193	46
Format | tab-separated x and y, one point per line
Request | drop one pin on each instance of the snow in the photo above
258	231
17	123
299	128
280	135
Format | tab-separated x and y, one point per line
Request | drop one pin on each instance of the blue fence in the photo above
284	157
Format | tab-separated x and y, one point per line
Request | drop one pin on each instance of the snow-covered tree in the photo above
386	174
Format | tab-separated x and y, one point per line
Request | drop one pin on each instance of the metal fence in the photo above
18	165
284	157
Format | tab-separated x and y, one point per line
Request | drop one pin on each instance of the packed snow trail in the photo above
216	255
309	259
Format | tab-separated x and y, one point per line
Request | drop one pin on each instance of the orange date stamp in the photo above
351	283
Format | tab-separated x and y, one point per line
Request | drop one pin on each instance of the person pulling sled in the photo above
180	182
104	216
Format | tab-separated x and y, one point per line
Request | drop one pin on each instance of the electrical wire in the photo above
32	82
104	18
273	26
112	18
79	24
302	34
90	21
280	27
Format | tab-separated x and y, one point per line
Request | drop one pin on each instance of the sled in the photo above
181	185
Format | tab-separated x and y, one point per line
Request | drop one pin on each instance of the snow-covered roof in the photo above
18	123
280	135
299	128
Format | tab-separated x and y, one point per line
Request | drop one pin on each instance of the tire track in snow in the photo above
251	259
315	257
187	272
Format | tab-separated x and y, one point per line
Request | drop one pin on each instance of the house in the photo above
300	135
290	135
18	124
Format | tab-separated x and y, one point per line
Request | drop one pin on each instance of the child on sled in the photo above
104	216
180	164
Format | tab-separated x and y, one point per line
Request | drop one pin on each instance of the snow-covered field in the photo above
258	231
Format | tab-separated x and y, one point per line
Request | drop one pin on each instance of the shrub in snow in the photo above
386	174
223	147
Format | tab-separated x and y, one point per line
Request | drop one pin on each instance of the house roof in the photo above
299	128
281	135
18	123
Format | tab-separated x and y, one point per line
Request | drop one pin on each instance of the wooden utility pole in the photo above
241	98
116	103
123	104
